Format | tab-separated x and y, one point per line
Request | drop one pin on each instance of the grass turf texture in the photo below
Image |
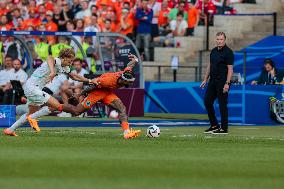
250	157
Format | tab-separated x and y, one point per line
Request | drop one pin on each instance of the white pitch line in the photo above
251	128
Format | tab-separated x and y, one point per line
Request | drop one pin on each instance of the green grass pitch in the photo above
182	158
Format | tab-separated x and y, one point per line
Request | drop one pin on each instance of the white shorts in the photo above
35	95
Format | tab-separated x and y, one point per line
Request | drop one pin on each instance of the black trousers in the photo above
215	91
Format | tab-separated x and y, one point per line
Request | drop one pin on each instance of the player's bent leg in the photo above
121	109
36	113
33	122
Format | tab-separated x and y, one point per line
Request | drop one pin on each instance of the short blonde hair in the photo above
67	53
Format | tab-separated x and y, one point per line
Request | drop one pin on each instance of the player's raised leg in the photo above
52	105
117	104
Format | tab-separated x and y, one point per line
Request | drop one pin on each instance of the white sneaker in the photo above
81	115
64	114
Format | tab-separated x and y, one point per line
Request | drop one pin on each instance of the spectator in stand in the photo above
42	16
50	26
270	74
19	74
173	3
156	7
179	25
225	6
32	20
76	7
3	8
175	11
71	87
193	19
93	27
5	77
77	86
85	13
20	22
144	15
4	25
109	16
94	9
16	13
80	25
126	23
70	26
65	15
206	8
107	26
163	18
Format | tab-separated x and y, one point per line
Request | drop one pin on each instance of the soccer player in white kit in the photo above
33	89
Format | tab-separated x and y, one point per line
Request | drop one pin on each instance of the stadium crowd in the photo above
146	22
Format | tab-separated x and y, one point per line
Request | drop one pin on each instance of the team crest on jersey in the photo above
88	103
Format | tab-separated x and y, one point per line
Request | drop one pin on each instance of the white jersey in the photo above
40	78
56	83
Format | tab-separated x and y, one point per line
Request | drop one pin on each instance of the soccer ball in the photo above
153	131
113	114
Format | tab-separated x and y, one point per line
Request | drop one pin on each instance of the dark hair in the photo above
108	20
180	13
71	22
221	33
94	14
16	9
269	61
94	6
125	2
77	60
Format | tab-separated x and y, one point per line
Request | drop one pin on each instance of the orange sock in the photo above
125	125
60	107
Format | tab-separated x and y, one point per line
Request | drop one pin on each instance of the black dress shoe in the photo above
220	132
211	129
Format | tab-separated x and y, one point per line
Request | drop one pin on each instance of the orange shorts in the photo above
106	96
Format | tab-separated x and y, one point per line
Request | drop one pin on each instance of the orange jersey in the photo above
109	80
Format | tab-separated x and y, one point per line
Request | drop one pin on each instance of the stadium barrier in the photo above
247	104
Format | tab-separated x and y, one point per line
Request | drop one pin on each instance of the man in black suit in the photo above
269	75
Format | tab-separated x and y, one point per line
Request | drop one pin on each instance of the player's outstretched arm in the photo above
79	78
50	63
133	61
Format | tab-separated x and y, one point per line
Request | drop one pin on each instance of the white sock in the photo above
42	112
19	122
